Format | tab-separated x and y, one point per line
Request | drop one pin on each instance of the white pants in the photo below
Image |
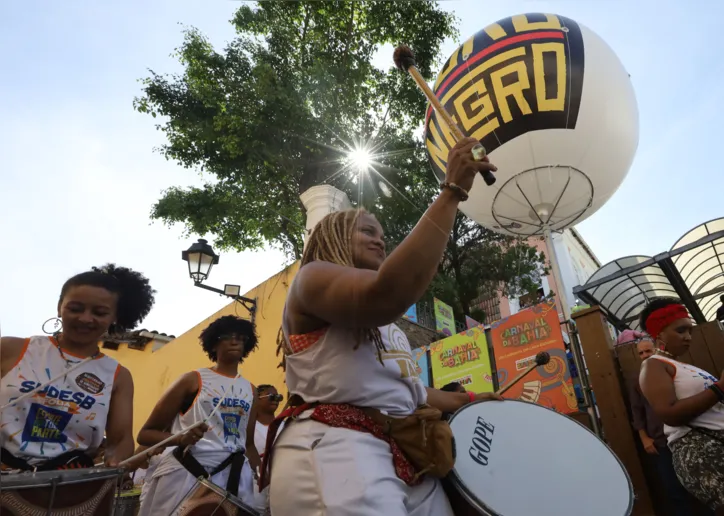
167	490
319	470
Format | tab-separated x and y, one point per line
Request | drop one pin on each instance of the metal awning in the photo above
701	267
693	270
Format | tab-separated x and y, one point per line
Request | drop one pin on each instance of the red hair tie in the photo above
661	318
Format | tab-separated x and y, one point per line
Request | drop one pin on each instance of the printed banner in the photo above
423	365
472	323
411	314
444	319
516	340
462	358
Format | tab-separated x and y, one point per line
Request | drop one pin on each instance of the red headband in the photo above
661	318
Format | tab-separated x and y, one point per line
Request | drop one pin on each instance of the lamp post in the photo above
200	258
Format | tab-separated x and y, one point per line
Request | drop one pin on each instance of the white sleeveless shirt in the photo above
227	428
689	380
68	415
332	371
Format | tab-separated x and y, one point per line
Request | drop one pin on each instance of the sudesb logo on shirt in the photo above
82	400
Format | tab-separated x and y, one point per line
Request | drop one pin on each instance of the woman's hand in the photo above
462	167
488	396
193	436
649	446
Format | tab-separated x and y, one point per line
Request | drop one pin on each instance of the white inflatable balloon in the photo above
556	111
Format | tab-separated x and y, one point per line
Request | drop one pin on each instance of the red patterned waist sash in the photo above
338	416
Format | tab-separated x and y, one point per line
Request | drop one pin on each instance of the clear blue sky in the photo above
79	174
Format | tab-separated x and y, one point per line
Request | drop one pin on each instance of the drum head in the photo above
27	480
516	458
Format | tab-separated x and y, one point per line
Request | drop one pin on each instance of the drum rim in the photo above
60	477
464	490
225	494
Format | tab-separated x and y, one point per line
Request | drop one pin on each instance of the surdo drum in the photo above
207	499
79	492
515	458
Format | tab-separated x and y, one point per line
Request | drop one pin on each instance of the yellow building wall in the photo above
154	371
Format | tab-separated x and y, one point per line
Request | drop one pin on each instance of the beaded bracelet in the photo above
460	191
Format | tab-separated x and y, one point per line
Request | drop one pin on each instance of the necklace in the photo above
665	353
69	361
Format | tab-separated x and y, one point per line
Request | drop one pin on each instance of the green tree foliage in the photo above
276	111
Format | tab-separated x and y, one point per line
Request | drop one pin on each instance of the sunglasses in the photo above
273	397
233	336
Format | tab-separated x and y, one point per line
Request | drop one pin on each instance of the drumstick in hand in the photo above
166	441
541	358
405	60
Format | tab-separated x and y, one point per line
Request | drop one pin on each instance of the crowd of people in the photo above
333	449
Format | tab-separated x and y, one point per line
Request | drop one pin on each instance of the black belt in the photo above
69	460
235	460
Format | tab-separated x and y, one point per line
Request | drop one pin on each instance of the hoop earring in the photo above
56	323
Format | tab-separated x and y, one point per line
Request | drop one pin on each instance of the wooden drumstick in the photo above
405	60
541	358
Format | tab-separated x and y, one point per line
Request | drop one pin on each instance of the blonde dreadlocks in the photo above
331	241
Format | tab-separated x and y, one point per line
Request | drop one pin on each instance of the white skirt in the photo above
318	470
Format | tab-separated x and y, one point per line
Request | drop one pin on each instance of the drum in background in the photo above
128	503
516	458
79	492
207	499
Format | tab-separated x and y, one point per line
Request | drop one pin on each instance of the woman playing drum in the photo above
62	424
216	449
343	351
689	401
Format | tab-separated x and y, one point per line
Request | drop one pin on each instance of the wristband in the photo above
471	396
718	391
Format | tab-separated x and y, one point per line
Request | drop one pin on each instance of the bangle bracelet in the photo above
459	191
471	396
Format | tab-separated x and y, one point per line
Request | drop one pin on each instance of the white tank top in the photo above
332	371
260	434
689	380
227	429
68	415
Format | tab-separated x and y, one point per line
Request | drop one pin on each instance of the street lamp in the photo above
200	258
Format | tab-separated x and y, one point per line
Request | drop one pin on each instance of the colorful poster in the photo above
444	319
423	365
472	323
516	341
411	314
462	358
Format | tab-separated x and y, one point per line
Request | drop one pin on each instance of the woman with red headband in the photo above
689	401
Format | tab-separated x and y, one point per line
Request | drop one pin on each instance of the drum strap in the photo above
193	466
69	460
